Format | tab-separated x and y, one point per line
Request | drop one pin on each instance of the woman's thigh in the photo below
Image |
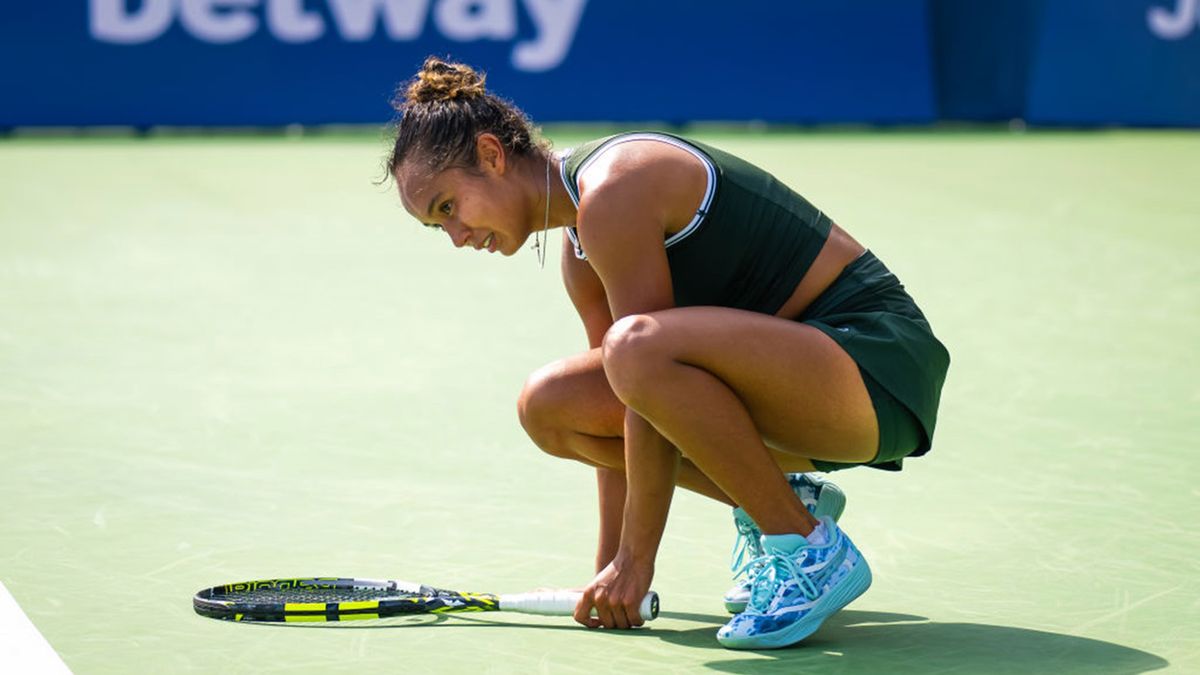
803	391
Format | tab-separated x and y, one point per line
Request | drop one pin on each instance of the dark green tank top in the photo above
752	239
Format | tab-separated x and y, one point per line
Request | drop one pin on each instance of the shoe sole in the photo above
832	502
855	584
735	607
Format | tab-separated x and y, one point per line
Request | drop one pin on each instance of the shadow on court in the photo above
868	642
873	642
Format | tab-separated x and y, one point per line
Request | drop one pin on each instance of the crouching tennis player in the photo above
740	340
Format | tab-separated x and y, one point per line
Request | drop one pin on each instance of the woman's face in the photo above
488	208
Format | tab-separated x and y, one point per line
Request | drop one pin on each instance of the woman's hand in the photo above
616	594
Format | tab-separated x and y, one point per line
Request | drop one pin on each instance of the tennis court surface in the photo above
237	358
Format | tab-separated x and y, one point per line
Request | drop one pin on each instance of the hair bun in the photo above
440	80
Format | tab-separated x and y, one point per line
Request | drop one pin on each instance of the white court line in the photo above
22	647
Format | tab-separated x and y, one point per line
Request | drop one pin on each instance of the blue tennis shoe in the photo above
819	496
795	585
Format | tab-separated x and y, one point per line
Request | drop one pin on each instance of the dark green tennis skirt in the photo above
867	311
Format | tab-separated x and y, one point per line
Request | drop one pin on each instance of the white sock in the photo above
818	537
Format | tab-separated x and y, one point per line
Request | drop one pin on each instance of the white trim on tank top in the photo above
670	241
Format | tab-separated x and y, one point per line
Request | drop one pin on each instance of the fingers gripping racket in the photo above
339	599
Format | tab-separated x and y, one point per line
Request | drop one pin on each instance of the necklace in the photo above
540	246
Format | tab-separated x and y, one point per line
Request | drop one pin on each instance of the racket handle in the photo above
562	603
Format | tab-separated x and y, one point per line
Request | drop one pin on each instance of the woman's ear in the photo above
490	152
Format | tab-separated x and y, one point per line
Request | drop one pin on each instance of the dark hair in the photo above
443	110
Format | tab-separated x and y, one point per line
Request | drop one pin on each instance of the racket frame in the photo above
220	602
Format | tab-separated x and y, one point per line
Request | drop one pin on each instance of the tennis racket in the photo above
340	599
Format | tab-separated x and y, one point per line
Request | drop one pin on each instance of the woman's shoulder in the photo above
638	162
579	157
639	185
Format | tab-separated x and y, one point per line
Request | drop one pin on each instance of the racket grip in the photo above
562	603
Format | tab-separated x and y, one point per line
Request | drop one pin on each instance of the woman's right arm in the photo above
587	295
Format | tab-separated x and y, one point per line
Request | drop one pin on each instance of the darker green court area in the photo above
237	358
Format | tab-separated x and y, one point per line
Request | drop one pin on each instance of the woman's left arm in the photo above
616	592
623	236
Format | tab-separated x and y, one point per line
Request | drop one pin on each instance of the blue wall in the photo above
271	62
982	55
1078	62
1117	62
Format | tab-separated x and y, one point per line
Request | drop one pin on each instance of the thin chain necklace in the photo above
540	246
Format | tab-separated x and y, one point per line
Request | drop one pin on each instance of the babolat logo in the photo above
298	21
1174	24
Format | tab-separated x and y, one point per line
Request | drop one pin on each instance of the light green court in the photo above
235	358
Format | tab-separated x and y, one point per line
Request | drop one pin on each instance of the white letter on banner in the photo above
110	23
1174	26
290	23
556	21
464	20
203	20
356	19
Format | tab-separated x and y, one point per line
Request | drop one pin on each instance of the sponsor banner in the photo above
271	62
1117	62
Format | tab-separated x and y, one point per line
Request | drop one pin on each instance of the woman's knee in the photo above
635	352
536	406
543	409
